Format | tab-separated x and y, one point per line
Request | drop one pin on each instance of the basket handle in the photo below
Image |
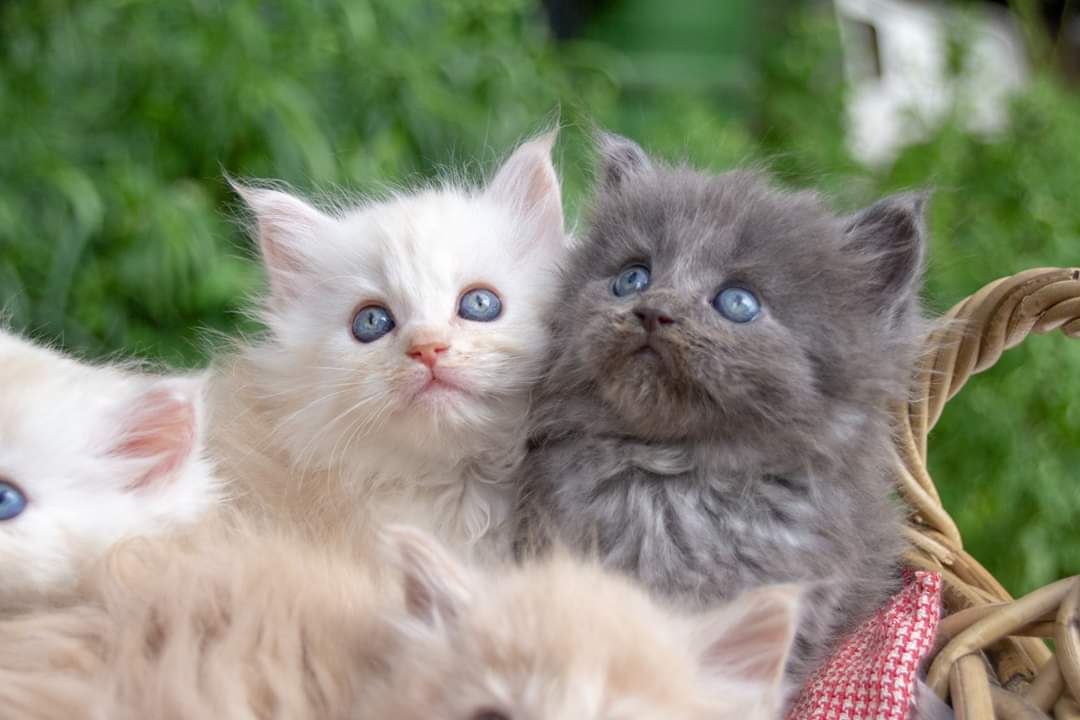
970	339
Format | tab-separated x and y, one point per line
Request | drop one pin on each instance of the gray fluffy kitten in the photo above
715	415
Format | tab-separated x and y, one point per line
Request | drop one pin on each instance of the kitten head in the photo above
87	456
564	640
701	302
414	323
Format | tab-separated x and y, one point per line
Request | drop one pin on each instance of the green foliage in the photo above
117	232
1005	452
120	116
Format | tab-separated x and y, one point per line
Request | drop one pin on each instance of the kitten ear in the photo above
620	158
749	639
891	235
527	181
436	586
159	431
287	227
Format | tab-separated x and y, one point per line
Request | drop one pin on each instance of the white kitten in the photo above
89	455
402	340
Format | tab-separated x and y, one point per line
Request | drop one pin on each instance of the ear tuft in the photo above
436	586
286	226
620	159
749	639
160	431
527	181
891	235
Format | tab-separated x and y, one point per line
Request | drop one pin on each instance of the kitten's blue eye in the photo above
371	322
481	305
12	501
737	305
633	279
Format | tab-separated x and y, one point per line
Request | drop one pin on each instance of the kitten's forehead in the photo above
680	216
698	232
580	658
720	217
32	378
585	594
424	249
48	396
25	367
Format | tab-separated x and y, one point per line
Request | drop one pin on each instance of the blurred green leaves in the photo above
120	116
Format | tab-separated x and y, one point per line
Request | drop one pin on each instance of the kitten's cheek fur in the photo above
762	398
664	393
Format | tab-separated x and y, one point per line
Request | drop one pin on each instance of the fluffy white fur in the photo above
275	628
322	429
100	453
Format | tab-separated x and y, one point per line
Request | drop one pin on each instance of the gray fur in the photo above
731	455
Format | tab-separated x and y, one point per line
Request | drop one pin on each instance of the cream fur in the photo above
561	640
102	453
322	430
276	628
221	625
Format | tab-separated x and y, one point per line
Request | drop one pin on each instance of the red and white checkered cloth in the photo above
872	676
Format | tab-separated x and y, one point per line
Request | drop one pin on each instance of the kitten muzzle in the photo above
653	318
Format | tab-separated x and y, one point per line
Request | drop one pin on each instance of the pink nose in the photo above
428	353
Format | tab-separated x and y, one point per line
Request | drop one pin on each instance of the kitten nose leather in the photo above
652	318
428	353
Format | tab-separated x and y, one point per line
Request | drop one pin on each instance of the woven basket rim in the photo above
991	657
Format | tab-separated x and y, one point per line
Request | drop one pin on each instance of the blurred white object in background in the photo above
897	59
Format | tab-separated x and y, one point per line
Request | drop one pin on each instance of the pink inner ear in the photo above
757	650
542	188
273	239
286	224
754	639
161	431
528	180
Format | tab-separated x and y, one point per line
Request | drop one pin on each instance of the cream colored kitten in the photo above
225	624
89	455
403	337
236	626
559	640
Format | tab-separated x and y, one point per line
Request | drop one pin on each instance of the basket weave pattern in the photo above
991	659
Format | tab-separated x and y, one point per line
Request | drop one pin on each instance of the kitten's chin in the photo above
647	398
448	409
437	391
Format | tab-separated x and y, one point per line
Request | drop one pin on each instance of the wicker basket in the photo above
991	659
